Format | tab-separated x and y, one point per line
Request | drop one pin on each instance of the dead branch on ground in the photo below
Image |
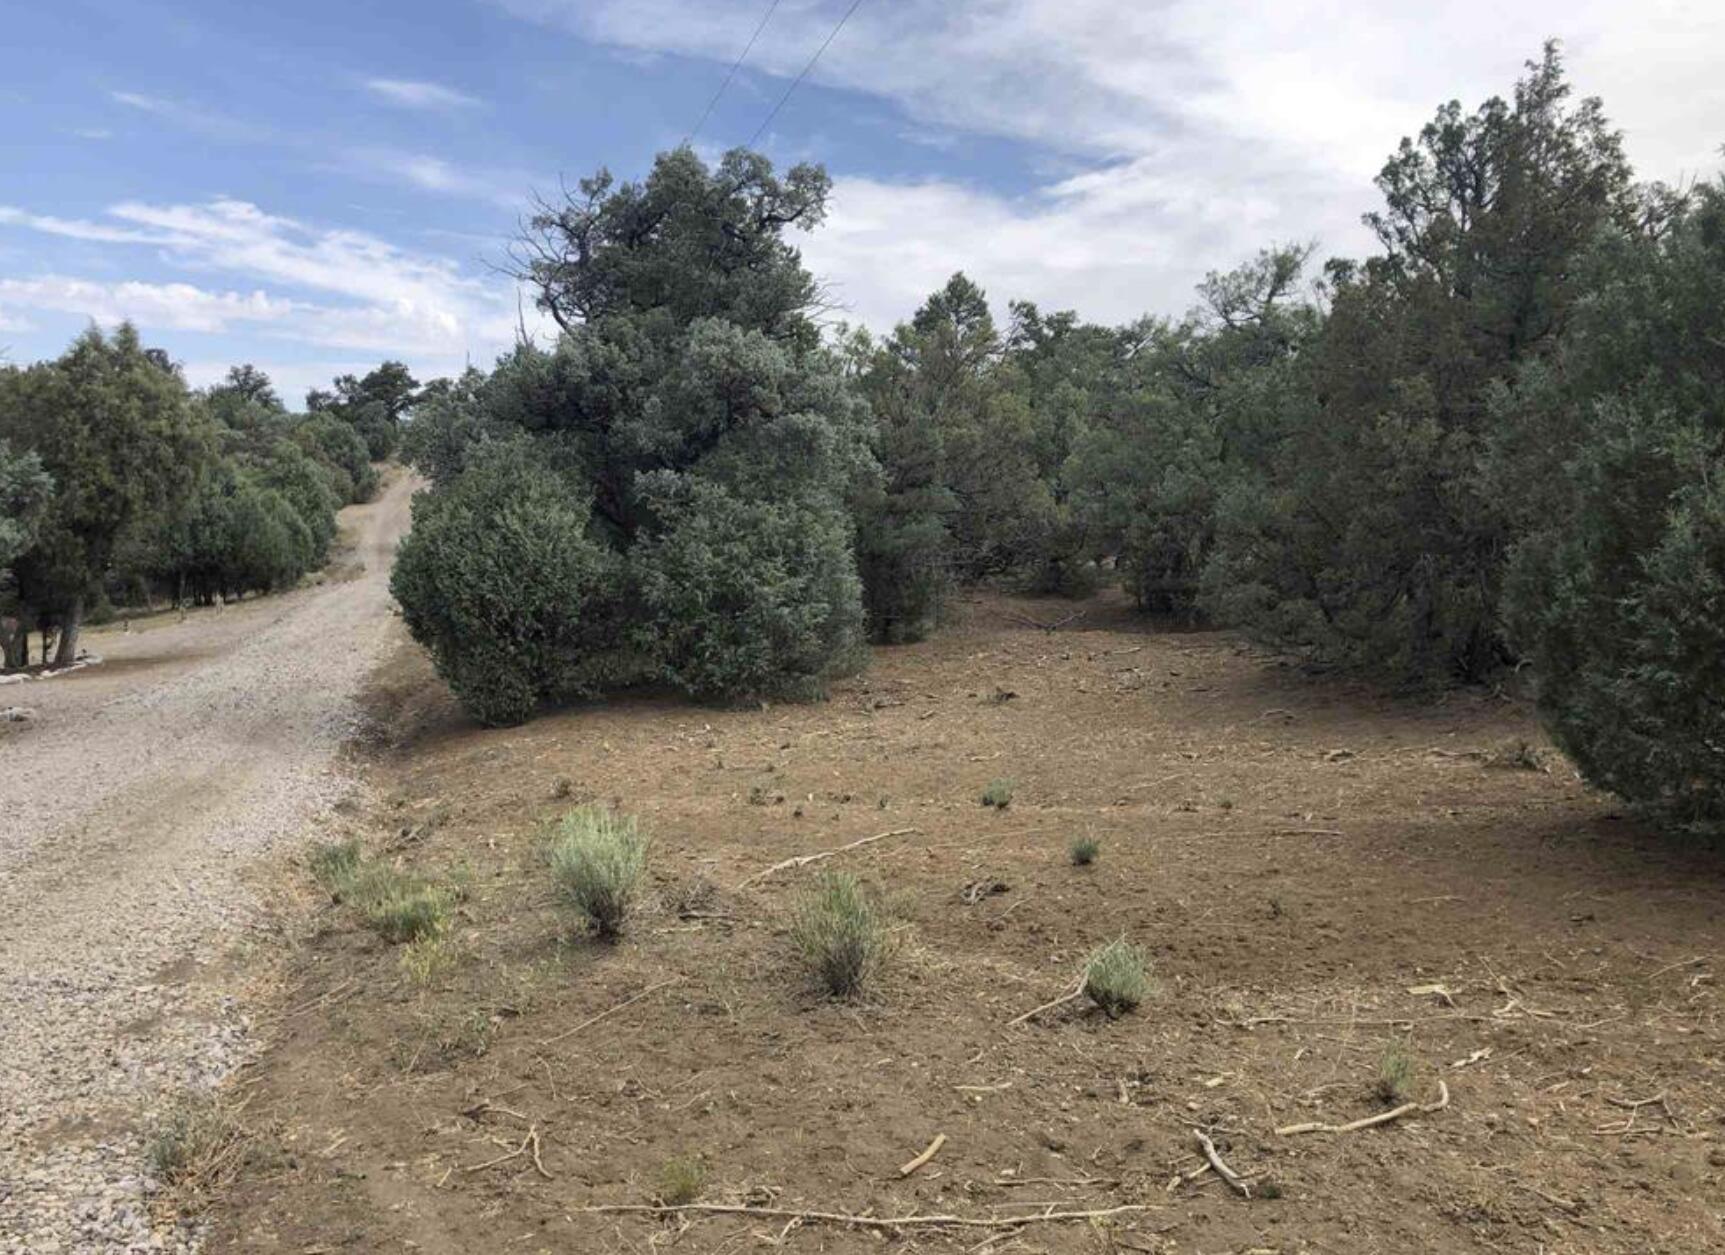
805	859
1406	1109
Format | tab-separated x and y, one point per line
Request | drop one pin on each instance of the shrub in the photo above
998	794
500	583
334	864
681	1181
839	934
1115	978
401	909
184	1145
1395	1070
597	860
427	957
1084	851
749	598
1618	594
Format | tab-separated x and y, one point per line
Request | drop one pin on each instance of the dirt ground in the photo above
1317	871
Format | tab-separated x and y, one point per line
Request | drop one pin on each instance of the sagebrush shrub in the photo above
597	861
406	910
998	794
681	1181
184	1142
1084	850
333	864
1116	977
1395	1070
839	934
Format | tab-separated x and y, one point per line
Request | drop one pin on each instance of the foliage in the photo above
597	861
25	489
1370	539
839	933
122	442
1395	1071
186	1143
1083	851
998	794
1617	592
682	1180
1115	977
692	451
501	583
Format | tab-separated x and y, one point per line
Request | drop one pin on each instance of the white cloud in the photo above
1202	129
336	288
416	94
434	174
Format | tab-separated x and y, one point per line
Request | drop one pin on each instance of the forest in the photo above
1492	446
122	487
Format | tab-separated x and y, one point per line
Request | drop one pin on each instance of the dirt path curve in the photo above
130	806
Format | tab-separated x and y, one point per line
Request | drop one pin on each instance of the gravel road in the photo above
131	804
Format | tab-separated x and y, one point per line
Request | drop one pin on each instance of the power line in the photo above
735	66
768	120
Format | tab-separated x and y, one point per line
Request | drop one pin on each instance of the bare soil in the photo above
1317	871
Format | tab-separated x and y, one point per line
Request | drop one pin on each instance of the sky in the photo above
316	186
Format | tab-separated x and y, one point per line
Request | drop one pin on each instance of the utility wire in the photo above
768	120
735	66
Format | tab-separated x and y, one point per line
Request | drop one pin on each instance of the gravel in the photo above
131	805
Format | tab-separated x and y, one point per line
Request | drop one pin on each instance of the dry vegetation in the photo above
1397	998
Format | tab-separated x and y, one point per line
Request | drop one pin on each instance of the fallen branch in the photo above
866	1222
1222	1169
1046	627
1406	1109
933	1149
592	1020
1071	995
530	1142
805	859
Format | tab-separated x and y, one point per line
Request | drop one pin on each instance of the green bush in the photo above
1115	978
1618	594
839	934
335	863
1395	1071
748	598
400	909
597	861
501	584
998	794
1083	851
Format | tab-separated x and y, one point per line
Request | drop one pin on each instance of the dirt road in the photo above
131	805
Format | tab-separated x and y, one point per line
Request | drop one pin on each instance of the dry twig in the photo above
1406	1109
1233	1178
805	859
627	1002
867	1222
933	1149
1071	995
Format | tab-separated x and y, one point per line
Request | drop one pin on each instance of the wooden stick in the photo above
1407	1108
1077	991
806	859
591	1020
1222	1169
933	1149
867	1222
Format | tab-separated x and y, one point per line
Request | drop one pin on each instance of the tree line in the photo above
1495	442
120	485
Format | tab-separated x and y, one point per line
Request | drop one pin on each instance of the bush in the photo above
1395	1070
400	909
334	865
500	583
1618	595
749	598
597	861
839	934
184	1146
998	794
1084	851
681	1181
1115	978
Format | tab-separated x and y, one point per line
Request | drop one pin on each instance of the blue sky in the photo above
315	186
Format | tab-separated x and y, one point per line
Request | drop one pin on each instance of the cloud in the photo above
314	285
93	133
1189	132
507	190
209	122
416	94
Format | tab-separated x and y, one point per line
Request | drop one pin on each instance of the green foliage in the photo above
25	489
839	934
689	447
681	1180
501	583
1395	1072
334	864
1115	977
186	1142
1371	538
395	905
597	861
450	424
998	794
1617	594
1083	851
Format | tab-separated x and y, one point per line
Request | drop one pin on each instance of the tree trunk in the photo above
68	651
14	646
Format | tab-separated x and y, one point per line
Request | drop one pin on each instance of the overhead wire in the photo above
735	66
803	73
